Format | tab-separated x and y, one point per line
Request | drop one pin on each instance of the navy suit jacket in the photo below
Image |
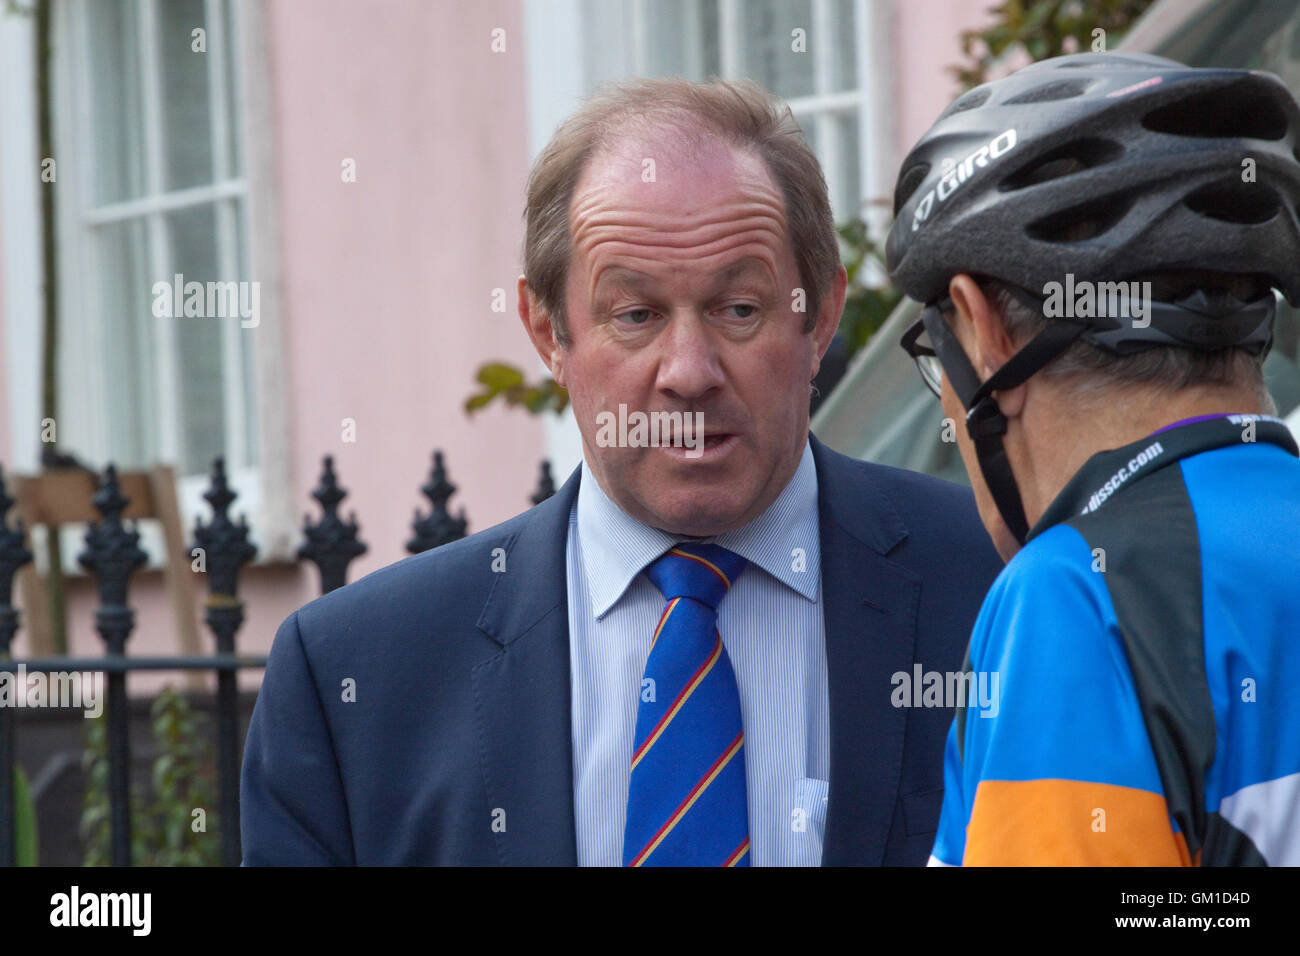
421	714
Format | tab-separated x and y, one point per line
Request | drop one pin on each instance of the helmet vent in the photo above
972	100
908	183
1219	113
1058	90
1065	160
1237	202
1084	221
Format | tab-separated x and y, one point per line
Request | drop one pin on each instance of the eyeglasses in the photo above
916	343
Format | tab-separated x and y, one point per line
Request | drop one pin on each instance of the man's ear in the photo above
541	331
828	320
982	334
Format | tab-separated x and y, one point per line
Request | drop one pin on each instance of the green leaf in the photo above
499	376
536	400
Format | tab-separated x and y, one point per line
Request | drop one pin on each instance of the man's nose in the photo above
689	364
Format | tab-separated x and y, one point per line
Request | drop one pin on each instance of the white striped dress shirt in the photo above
774	632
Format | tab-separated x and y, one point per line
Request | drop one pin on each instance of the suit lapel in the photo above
869	604
521	695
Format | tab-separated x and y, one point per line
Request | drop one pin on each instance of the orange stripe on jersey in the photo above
1070	823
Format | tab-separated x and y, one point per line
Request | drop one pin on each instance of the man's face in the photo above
680	298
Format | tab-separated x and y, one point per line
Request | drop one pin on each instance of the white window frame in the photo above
262	488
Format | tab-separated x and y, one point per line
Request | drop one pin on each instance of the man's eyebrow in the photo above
742	268
623	279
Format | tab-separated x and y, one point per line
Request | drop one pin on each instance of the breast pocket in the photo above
808	821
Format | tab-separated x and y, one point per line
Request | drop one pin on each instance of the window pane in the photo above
186	131
114	83
127	343
765	41
844	67
682	39
848	204
199	342
234	90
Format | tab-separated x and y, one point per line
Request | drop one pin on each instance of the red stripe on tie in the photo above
704	561
739	852
679	701
668	609
691	797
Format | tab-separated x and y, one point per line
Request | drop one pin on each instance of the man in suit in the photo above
692	653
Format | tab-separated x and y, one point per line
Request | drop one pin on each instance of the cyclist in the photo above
1097	240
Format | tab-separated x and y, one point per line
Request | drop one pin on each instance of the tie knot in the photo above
691	569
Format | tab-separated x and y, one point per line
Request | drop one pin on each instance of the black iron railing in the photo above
113	553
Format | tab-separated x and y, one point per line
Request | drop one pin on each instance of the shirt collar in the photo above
784	540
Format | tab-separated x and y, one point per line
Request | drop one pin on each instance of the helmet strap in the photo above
985	422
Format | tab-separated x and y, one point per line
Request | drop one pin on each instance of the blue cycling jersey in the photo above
1146	645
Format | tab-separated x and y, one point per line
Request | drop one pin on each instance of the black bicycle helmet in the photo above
1108	166
1105	167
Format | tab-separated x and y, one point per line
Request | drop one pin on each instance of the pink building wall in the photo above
925	46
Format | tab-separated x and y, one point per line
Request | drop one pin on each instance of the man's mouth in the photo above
711	447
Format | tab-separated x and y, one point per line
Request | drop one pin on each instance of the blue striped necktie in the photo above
686	801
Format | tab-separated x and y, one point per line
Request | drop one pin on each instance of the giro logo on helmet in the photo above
996	147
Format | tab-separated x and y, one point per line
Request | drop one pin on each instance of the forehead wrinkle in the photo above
592	215
626	231
638	245
608	235
629	243
624	277
760	259
695	237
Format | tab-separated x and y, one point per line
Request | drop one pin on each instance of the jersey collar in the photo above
1107	473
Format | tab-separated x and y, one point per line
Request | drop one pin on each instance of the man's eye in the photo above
636	316
742	305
